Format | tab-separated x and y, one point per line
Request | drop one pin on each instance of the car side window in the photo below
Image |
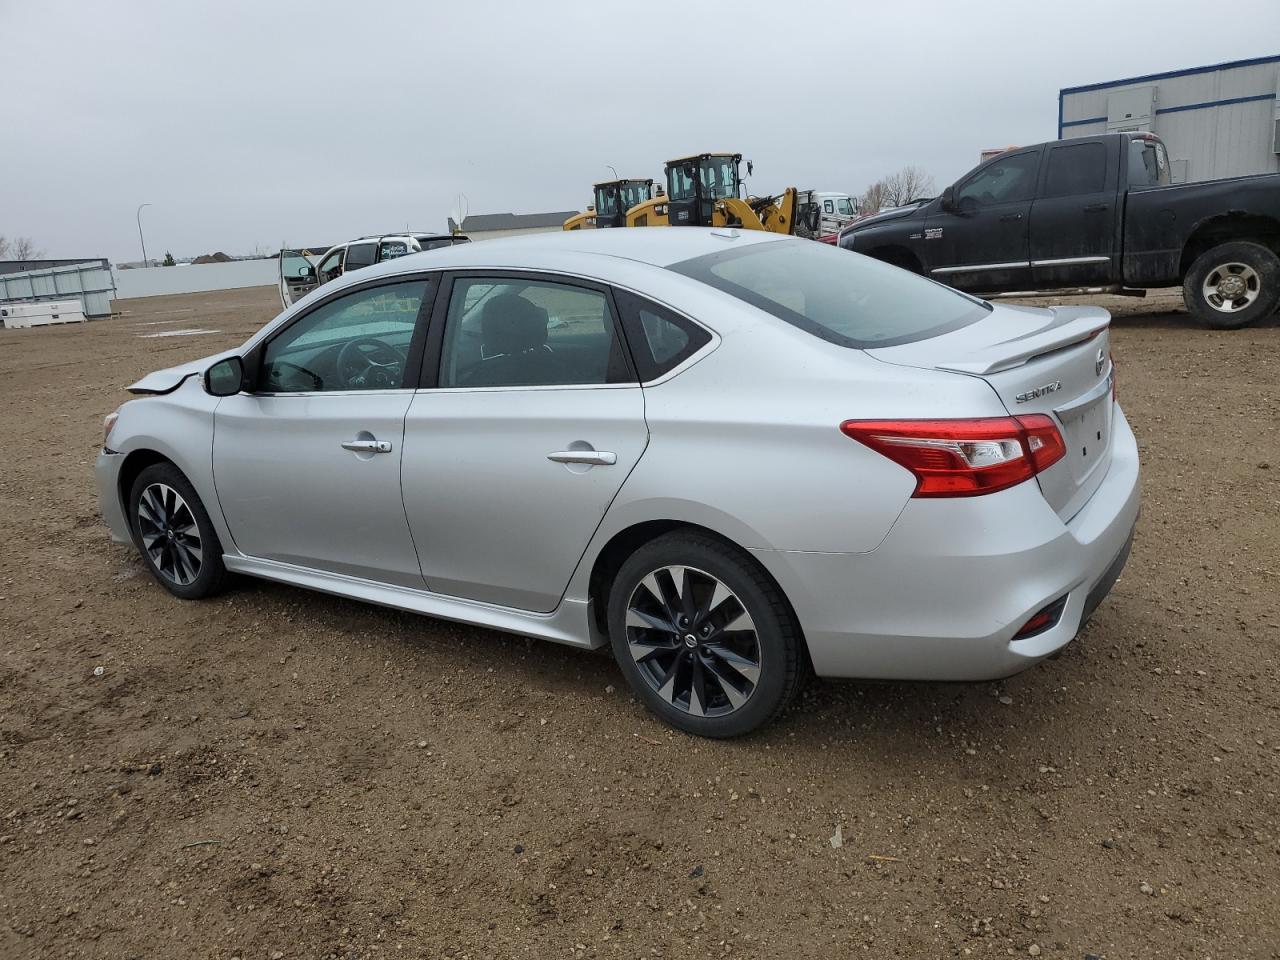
828	206
513	332
660	339
391	249
1075	169
358	341
360	255
1148	163
1005	180
331	266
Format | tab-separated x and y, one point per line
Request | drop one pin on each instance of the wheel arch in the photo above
627	541
135	462
1229	228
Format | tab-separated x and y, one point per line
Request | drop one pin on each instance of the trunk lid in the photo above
1055	361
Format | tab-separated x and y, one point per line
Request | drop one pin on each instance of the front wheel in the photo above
703	636
174	533
1233	285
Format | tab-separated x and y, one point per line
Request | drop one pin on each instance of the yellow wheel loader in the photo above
705	190
613	198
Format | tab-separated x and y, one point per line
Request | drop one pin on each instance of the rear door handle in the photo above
1096	208
1010	217
367	446
597	458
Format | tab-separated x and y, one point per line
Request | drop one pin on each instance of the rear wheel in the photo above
1233	285
174	533
703	636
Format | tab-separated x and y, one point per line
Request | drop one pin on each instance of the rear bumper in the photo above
107	474
942	597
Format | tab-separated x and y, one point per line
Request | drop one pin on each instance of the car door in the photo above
528	421
307	466
981	243
1074	240
297	277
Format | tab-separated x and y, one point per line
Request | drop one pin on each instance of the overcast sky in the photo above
248	125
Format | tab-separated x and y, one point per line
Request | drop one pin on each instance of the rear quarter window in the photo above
660	340
841	297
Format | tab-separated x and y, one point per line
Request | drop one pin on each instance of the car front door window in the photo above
331	266
359	341
1006	180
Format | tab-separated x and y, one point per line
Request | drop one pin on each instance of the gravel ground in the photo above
280	774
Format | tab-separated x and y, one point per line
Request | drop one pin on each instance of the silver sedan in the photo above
733	457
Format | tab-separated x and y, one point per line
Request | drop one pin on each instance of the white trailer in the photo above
18	316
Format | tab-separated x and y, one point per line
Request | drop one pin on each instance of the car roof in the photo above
599	253
573	250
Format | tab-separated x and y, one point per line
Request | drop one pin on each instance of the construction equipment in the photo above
705	190
613	198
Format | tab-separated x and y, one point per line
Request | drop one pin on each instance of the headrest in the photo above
511	324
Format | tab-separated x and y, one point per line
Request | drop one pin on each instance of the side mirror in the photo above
307	271
949	200
751	168
225	378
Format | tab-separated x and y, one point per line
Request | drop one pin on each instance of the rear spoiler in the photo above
1071	325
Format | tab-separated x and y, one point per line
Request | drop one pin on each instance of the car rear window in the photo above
842	297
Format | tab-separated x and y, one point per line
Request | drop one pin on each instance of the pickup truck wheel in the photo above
1233	285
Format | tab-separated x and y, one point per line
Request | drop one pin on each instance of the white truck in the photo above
300	273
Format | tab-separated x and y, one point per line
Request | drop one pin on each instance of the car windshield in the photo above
850	300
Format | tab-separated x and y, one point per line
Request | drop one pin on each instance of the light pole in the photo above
140	238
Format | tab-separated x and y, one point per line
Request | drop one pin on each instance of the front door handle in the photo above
596	458
1010	217
367	446
1096	208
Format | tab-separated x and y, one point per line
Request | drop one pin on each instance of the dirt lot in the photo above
279	774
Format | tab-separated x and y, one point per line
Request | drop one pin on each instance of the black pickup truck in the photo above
1094	212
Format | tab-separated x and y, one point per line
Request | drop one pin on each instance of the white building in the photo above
486	226
1217	121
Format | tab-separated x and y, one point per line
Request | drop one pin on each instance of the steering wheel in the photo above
370	363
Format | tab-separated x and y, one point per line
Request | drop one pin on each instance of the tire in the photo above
739	648
174	534
1250	269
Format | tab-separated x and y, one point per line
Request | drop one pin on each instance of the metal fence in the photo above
90	283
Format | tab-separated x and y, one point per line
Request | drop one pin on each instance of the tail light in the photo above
964	458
